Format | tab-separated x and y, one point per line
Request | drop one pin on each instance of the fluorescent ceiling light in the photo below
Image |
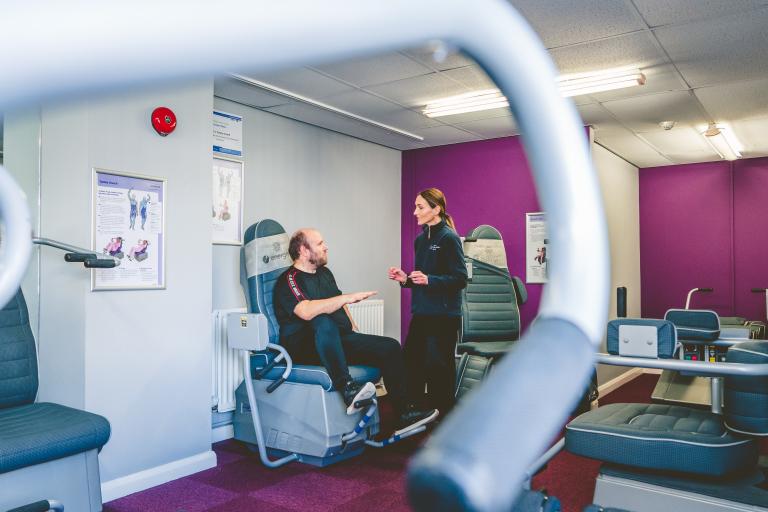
571	85
324	106
723	141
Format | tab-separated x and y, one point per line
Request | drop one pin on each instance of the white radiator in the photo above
227	367
369	316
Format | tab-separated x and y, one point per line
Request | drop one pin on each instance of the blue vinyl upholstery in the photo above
662	437
694	324
262	266
746	398
665	332
490	306
33	433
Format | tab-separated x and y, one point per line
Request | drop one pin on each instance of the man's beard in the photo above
318	260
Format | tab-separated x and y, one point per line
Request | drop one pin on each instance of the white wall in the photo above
140	358
620	187
304	176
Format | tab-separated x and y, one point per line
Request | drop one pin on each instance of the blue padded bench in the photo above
35	434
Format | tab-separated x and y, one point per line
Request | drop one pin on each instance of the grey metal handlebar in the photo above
533	389
16	238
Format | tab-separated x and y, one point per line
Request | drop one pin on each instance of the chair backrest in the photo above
18	359
745	399
264	258
694	324
490	310
641	337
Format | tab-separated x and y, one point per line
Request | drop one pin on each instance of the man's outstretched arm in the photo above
309	309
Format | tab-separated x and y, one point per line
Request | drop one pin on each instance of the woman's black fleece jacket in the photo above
439	255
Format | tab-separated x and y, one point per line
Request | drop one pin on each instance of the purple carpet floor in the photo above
373	481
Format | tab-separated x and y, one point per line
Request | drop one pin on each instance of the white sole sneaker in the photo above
366	392
429	419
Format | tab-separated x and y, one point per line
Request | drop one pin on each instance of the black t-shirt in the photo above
292	287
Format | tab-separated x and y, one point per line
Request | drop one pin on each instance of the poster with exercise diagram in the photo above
129	225
227	207
536	242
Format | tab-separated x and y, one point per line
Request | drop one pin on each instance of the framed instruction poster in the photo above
227	208
227	133
536	242
129	224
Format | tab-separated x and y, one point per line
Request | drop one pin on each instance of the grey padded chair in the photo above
47	451
681	448
490	309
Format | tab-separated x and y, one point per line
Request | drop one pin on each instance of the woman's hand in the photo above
397	274
419	277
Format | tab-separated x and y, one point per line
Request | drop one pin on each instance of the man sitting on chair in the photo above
316	328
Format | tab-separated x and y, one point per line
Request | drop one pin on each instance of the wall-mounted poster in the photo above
227	210
536	242
129	224
227	133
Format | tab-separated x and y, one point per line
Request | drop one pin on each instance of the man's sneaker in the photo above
413	419
355	392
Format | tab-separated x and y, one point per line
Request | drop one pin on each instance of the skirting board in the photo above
222	433
158	475
622	379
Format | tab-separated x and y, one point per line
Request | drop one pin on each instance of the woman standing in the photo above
436	282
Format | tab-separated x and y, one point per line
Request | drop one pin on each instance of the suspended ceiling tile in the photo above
564	22
719	50
473	77
361	103
636	49
682	144
335	122
597	116
417	91
375	70
660	78
644	113
426	55
731	102
442	135
630	148
303	81
492	128
235	90
408	120
667	12
475	116
751	134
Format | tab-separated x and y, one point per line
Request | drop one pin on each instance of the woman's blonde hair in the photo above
435	197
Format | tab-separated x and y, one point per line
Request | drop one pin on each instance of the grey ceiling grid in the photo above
705	61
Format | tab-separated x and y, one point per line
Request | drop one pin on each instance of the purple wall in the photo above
485	182
750	221
704	225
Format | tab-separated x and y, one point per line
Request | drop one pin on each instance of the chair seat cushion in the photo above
663	437
41	432
485	348
310	374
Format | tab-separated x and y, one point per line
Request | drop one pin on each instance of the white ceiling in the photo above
705	61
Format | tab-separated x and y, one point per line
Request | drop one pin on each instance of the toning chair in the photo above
47	451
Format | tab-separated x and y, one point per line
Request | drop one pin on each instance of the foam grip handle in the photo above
706	290
78	257
758	290
621	302
99	263
259	374
38	506
275	384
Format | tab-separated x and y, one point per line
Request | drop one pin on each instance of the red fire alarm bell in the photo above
163	120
